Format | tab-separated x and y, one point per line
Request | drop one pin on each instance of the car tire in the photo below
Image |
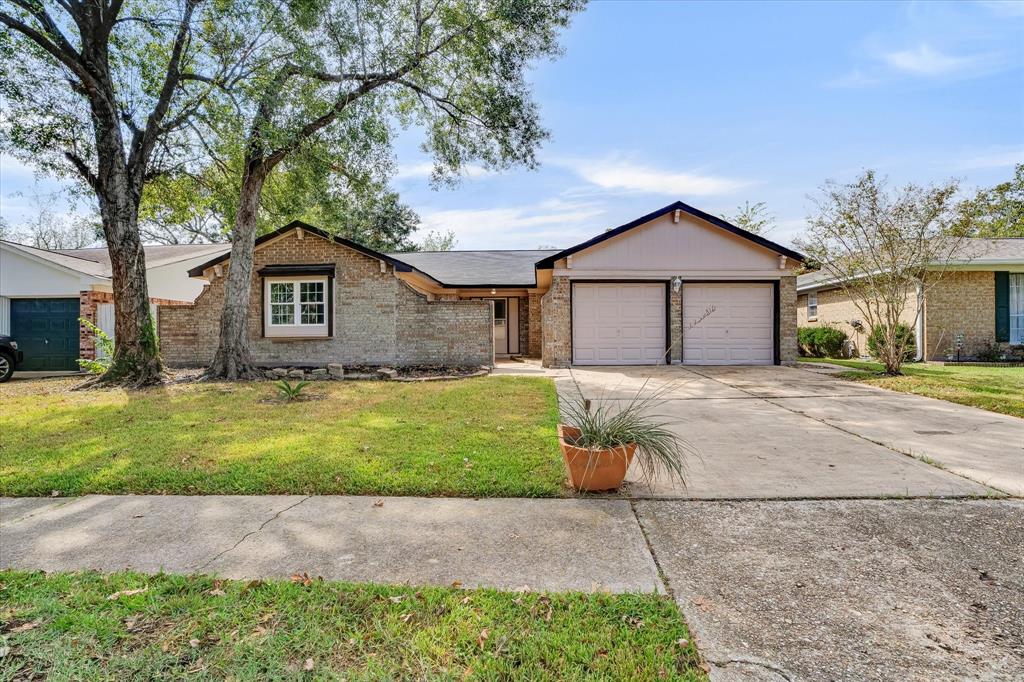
6	367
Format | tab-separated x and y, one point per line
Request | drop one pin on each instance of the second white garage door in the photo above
618	324
740	331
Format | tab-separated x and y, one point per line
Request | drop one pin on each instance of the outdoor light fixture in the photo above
677	284
493	292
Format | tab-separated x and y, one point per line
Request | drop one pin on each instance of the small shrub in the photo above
821	342
104	347
990	352
904	339
290	392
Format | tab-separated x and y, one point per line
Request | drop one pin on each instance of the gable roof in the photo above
478	269
549	262
156	255
400	266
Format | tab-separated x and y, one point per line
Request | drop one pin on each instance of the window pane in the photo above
312	313
282	313
282	292
499	309
1016	309
311	292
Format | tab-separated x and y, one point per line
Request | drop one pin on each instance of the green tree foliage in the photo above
752	218
996	211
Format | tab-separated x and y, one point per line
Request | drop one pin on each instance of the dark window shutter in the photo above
1002	306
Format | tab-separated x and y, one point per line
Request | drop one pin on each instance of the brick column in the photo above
87	307
676	324
557	330
787	320
533	325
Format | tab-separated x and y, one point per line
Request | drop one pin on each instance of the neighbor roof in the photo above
549	262
96	262
978	252
478	268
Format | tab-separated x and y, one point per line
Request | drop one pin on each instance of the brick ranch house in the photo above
621	298
43	293
978	297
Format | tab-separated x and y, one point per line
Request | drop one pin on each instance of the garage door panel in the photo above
740	330
617	324
46	330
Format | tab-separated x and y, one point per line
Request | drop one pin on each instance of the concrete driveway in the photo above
783	432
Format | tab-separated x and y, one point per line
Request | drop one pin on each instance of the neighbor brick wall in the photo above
676	319
378	319
960	301
837	310
557	333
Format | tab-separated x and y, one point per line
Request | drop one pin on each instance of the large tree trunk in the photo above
136	358
233	359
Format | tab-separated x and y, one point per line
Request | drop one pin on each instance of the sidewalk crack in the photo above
250	534
781	672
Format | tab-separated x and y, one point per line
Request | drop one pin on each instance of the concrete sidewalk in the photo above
547	545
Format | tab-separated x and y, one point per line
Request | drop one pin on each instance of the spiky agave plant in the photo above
607	424
289	391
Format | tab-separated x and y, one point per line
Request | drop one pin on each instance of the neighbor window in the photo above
296	307
1016	308
812	306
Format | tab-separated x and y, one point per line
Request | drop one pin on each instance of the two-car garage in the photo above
629	323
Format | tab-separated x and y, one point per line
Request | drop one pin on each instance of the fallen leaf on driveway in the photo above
378	503
126	593
457	584
702	603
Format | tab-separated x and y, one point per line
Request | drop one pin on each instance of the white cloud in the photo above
925	60
424	169
627	176
555	222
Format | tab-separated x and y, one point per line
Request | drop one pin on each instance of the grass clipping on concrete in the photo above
482	437
128	626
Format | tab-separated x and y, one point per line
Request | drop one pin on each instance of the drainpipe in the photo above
919	327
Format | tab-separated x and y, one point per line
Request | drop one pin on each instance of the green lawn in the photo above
997	389
482	437
88	626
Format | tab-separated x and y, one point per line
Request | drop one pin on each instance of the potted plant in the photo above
600	441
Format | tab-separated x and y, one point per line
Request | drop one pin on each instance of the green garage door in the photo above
46	330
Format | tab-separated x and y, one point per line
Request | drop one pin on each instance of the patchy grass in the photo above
482	437
997	389
88	626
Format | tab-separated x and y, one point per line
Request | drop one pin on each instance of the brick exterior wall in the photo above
534	329
837	310
676	327
87	309
524	325
960	302
556	343
378	319
788	350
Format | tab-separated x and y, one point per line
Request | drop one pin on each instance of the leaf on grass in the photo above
4	650
54	493
406	618
126	593
216	592
193	643
24	627
302	578
308	665
397	599
457	584
484	635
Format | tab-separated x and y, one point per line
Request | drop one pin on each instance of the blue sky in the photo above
720	103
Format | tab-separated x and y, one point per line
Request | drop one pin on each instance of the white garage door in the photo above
618	324
740	331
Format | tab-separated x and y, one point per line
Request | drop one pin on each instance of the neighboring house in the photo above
624	297
978	297
44	293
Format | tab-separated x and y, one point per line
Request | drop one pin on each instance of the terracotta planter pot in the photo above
593	470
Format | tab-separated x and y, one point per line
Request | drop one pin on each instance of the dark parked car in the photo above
10	357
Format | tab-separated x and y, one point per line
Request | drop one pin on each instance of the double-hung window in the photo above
812	305
296	307
1016	308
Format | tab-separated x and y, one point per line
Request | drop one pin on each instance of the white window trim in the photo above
298	329
1016	308
812	304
